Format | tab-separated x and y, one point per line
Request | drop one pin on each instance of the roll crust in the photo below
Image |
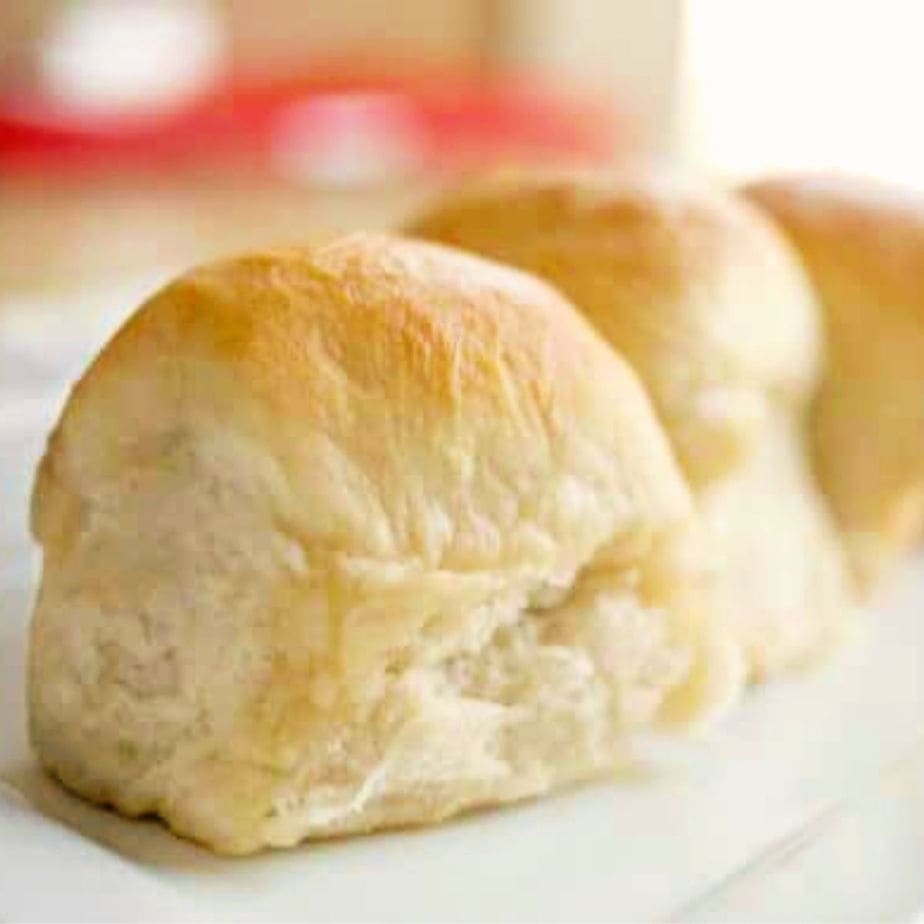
862	244
358	536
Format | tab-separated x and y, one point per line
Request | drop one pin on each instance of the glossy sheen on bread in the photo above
359	536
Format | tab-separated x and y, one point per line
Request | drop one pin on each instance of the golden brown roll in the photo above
358	536
706	299
863	246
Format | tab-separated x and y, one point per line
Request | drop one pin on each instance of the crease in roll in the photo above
710	305
862	244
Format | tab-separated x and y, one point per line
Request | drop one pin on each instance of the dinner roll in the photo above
704	297
863	245
358	536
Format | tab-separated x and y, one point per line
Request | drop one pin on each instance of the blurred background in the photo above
154	133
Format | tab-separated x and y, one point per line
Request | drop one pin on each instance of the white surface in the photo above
808	805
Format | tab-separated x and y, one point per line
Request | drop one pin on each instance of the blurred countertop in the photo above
58	235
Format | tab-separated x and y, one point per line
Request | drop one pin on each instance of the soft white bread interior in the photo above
358	536
703	295
863	246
